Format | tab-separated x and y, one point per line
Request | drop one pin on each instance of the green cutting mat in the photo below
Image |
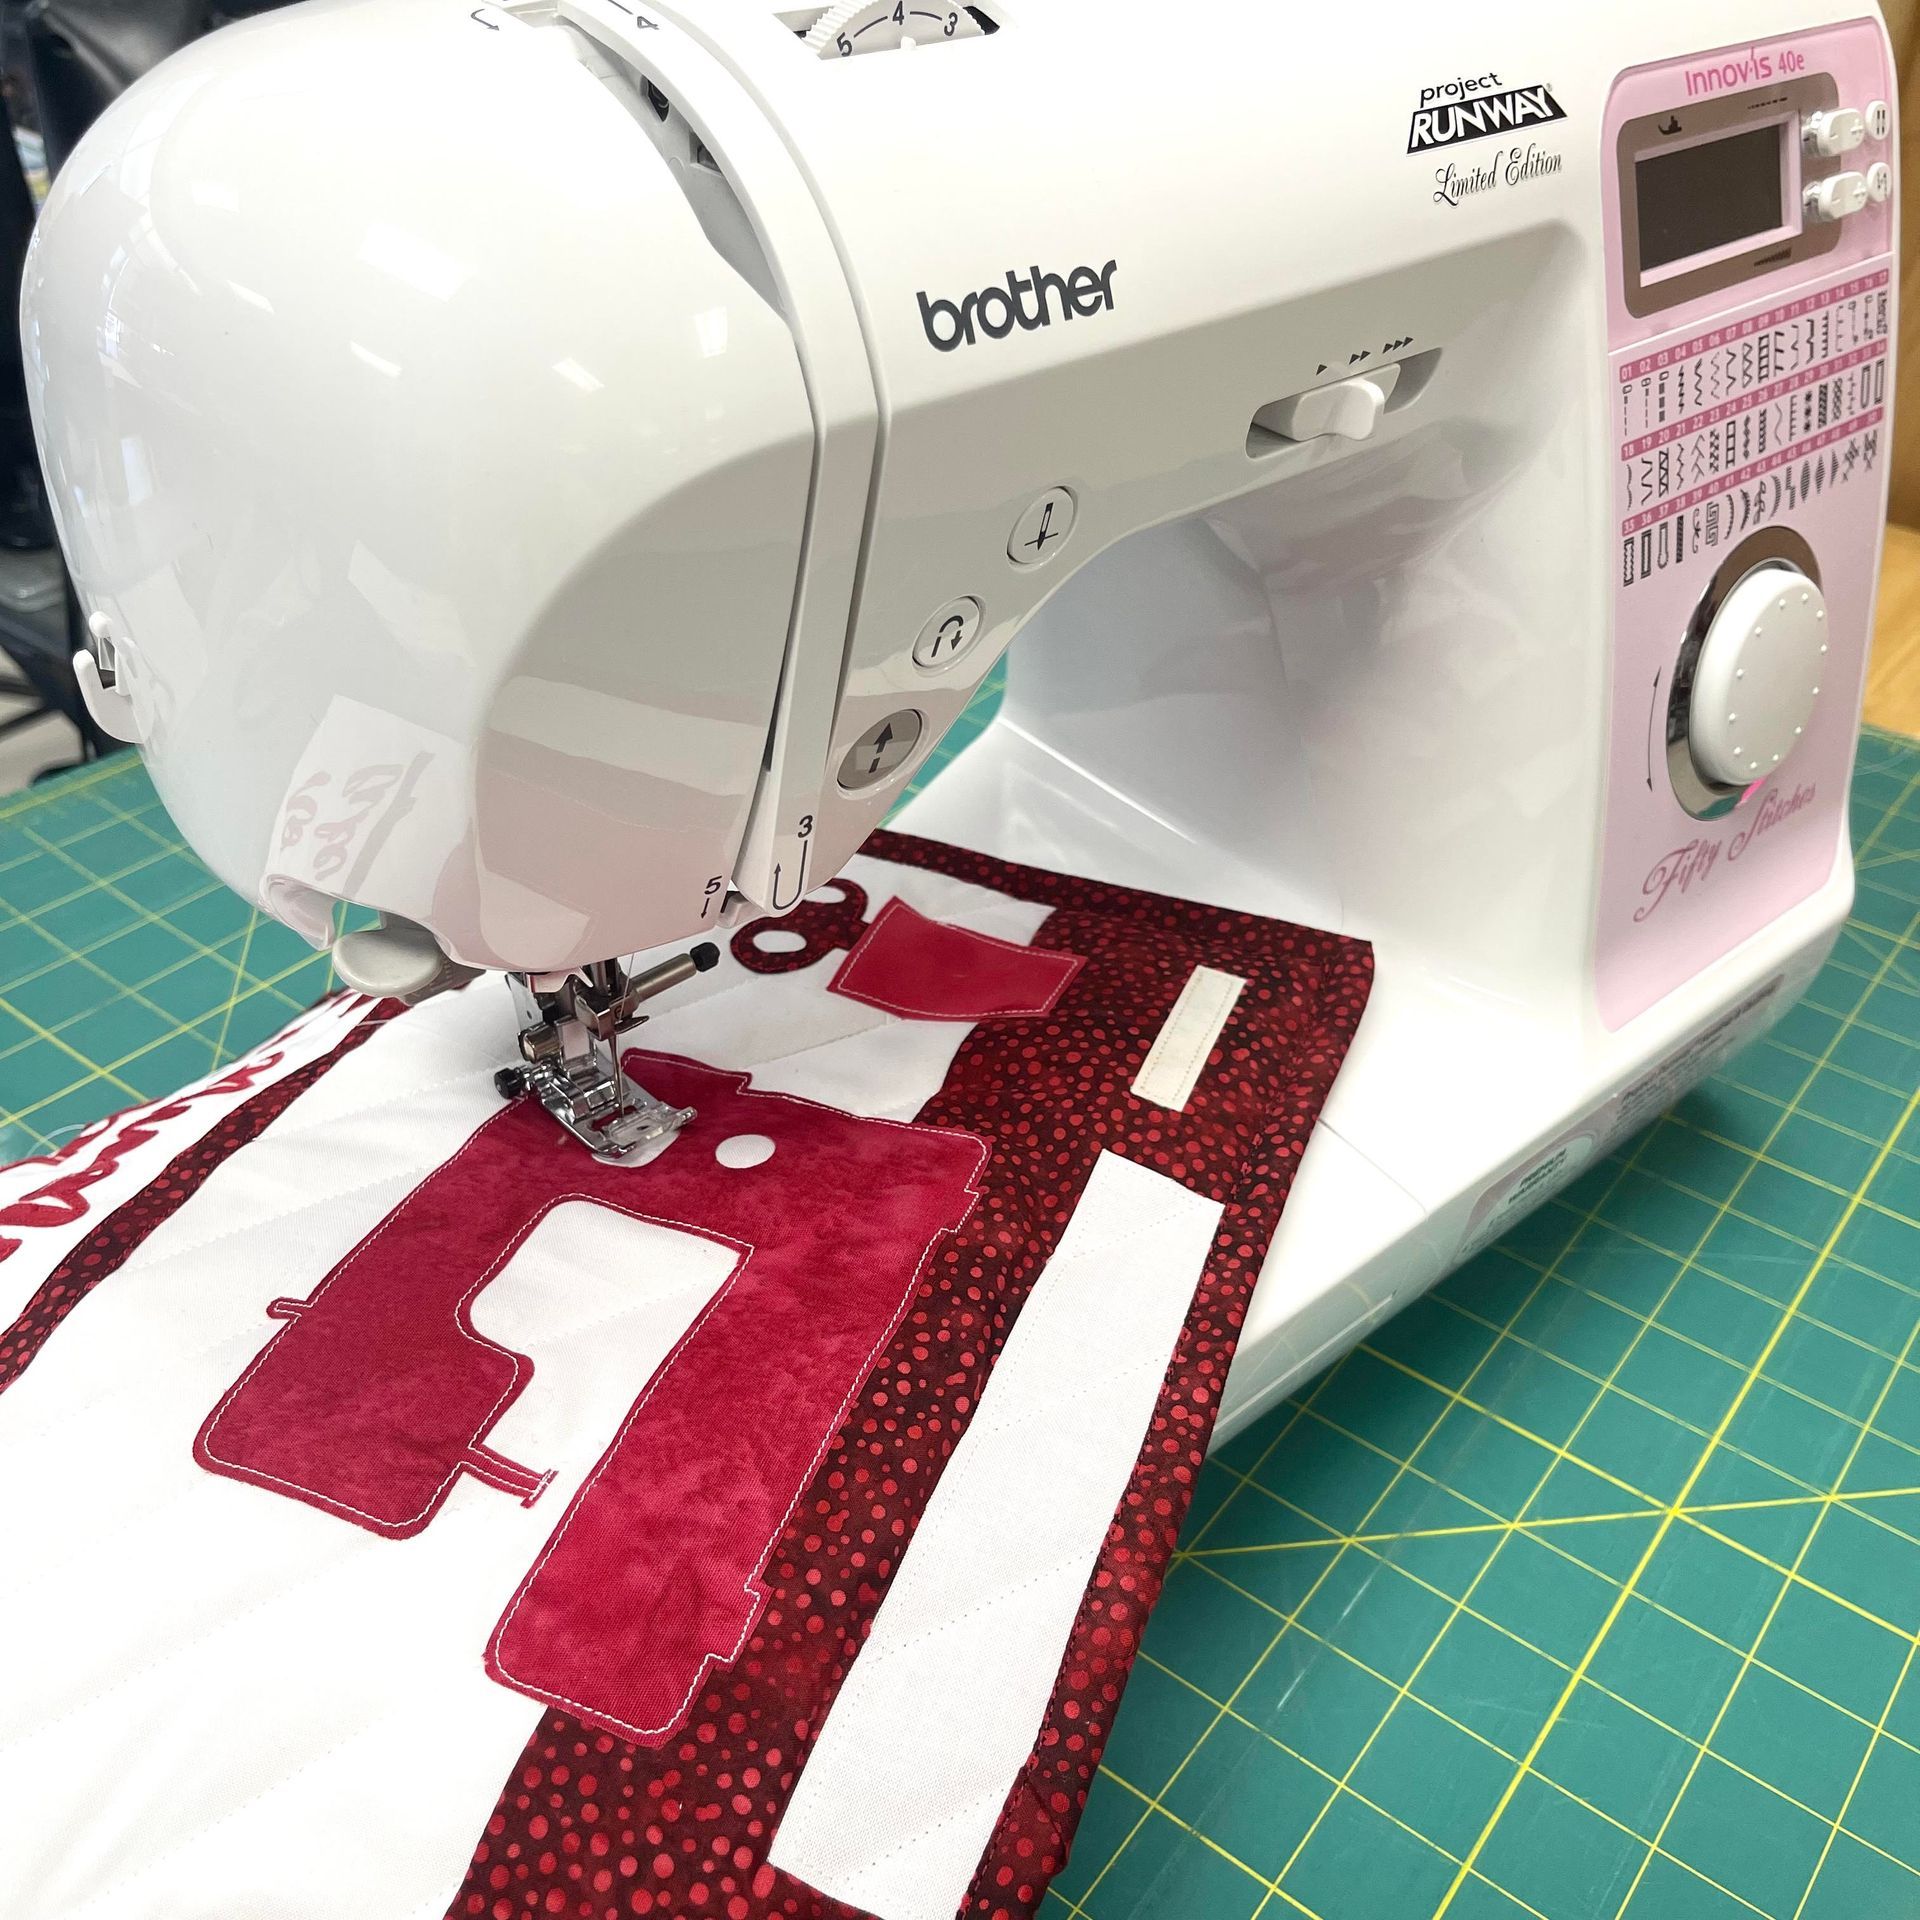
1588	1587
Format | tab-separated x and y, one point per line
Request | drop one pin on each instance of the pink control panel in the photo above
1749	375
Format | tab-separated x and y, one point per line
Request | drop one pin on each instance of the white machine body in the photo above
553	472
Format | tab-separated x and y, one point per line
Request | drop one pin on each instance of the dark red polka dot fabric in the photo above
594	1827
597	1829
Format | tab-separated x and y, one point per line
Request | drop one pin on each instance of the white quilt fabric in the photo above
215	1699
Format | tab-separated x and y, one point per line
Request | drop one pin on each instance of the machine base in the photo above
1457	1111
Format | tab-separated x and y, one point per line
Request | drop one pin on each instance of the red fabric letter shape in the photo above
928	970
919	968
379	1392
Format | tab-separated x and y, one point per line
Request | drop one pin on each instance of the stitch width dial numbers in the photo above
884	26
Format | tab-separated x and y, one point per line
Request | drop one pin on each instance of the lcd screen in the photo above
1713	194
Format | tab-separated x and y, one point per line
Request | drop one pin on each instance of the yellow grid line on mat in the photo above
1816	1498
1868	995
1672	1510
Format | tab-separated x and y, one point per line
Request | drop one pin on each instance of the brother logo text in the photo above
1028	300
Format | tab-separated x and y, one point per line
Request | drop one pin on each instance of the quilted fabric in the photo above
406	1515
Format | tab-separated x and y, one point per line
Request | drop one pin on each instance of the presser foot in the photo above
611	1122
571	1027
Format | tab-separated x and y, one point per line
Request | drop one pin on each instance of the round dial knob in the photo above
1757	676
876	26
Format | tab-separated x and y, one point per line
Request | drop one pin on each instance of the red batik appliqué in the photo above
906	963
599	1819
592	1828
379	1392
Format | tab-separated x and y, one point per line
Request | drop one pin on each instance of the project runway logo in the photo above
1028	300
1472	108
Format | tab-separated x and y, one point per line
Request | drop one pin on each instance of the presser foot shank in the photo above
571	1028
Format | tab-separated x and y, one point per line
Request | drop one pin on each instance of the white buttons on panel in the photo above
1757	676
949	632
1879	120
1837	196
1838	130
1879	183
883	749
1042	529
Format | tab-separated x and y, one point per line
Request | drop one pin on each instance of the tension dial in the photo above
877	26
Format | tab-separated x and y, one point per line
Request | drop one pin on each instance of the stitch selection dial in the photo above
1758	675
880	26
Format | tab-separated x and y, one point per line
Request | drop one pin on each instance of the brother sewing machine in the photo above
552	473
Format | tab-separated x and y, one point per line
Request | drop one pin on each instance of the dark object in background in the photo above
76	57
39	614
24	520
82	54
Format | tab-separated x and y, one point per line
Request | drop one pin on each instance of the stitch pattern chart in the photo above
1718	432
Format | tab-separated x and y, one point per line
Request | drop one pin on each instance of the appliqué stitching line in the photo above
961	1471
868	1862
1201	1047
842	982
462	1325
1019	1418
831	1431
1309	999
80	1409
243	1338
160	1261
948	1622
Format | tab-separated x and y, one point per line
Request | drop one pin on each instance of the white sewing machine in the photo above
553	472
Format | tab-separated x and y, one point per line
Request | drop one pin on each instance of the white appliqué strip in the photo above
1172	1067
48	1206
899	1798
